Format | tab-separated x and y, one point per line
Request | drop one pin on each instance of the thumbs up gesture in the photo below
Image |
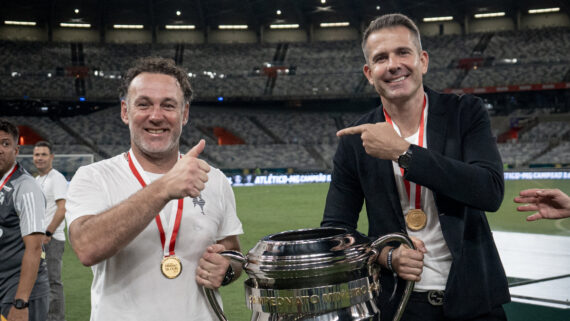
189	176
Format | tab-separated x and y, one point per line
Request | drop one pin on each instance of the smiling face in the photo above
43	159
395	63
155	112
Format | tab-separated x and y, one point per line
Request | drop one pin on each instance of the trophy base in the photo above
366	311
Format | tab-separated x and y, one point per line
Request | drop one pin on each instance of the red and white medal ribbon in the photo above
416	188
175	217
8	176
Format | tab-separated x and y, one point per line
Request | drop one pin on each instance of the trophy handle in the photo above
234	256
404	239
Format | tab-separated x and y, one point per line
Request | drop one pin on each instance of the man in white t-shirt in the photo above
54	186
151	222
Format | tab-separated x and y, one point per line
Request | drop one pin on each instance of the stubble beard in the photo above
154	152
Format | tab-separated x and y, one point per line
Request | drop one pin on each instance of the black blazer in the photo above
463	168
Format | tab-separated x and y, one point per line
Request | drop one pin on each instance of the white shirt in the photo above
437	260
54	186
130	285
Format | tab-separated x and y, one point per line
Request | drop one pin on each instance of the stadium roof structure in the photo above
256	14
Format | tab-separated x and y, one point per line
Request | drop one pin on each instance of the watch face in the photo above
20	304
404	160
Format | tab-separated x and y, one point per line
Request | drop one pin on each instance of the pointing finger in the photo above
352	130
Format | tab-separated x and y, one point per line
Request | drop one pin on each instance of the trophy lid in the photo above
327	252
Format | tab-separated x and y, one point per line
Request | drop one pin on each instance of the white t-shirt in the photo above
130	285
54	186
437	260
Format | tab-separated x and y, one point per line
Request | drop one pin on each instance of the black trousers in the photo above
421	308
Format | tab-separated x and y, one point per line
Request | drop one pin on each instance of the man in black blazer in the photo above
427	165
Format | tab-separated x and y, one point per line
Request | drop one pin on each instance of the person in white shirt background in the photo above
54	186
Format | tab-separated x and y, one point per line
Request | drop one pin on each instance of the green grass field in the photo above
265	210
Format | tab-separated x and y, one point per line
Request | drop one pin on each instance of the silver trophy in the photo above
320	274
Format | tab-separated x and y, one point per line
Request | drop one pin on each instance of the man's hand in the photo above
380	140
189	176
547	203
18	314
409	263
212	267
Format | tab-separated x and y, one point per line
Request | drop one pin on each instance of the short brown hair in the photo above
157	65
10	128
43	143
389	21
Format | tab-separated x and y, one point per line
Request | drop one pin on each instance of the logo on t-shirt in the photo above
199	201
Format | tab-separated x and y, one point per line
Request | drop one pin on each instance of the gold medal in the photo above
171	267
416	219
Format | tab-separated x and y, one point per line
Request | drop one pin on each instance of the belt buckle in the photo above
435	297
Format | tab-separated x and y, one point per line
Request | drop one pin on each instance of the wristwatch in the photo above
405	159
48	233
228	278
20	304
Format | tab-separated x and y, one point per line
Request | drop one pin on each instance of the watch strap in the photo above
405	159
229	277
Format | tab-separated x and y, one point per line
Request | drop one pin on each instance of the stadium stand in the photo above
239	124
545	131
300	128
557	155
265	156
282	139
519	154
300	69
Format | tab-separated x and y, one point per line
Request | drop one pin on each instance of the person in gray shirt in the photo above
24	286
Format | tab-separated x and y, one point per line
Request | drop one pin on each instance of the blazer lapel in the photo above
436	131
436	123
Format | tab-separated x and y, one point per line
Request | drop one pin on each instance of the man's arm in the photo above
473	176
29	272
58	218
95	238
30	265
407	263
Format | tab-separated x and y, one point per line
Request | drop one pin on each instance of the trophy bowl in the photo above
320	274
